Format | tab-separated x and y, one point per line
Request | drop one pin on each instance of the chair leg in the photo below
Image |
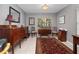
12	49
20	44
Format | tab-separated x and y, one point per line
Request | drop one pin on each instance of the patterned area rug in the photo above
51	46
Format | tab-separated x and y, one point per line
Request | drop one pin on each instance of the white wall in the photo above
69	13
70	21
39	15
4	11
78	21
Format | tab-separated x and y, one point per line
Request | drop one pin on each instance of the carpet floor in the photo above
51	46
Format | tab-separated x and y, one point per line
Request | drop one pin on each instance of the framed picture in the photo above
44	22
14	15
31	20
62	20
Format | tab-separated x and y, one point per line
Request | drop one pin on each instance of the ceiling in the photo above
36	8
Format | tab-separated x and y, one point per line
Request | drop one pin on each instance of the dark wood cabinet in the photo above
62	35
14	35
44	31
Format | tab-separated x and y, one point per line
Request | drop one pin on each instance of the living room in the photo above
57	16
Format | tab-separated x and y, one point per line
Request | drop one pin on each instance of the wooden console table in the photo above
75	42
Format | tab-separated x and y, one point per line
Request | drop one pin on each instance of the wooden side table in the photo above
62	35
75	42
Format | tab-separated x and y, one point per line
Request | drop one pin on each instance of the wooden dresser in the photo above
62	35
14	35
44	31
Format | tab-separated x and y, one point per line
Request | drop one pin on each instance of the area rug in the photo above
51	46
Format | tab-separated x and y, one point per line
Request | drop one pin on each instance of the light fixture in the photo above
45	7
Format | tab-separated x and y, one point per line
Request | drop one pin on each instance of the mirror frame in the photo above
10	13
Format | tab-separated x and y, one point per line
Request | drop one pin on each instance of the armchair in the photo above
6	49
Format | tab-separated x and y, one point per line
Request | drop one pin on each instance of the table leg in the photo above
75	48
20	44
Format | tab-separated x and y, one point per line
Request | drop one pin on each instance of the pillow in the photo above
2	43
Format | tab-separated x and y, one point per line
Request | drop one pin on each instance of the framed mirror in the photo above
14	15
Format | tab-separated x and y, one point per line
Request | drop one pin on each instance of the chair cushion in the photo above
2	42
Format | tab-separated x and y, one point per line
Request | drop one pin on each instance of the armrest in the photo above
5	50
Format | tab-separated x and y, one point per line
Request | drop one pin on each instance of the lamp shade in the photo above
9	17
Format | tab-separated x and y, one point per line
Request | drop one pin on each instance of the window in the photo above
62	19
